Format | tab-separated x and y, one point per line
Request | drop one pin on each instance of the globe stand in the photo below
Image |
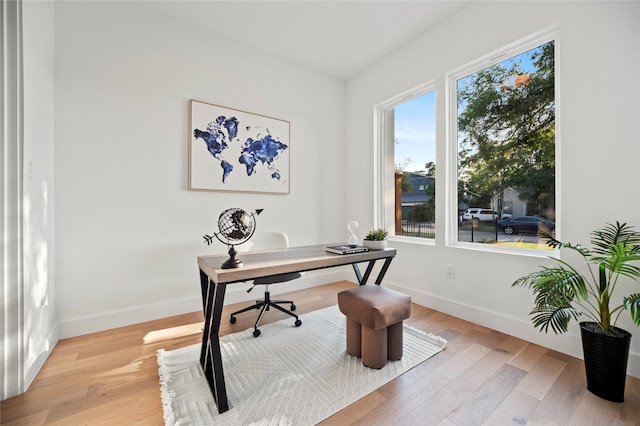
235	227
233	261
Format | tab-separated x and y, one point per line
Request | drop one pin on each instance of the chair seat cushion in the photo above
374	306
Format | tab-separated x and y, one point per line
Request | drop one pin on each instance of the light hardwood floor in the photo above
483	377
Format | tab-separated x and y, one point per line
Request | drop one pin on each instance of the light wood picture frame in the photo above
239	151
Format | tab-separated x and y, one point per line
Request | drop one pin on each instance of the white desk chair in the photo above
269	241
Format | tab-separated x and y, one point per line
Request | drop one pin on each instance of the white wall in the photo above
40	328
127	229
599	142
29	325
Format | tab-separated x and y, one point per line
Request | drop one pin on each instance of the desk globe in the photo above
235	226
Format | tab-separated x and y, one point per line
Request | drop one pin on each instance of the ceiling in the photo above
337	38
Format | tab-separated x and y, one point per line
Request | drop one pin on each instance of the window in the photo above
503	143
407	164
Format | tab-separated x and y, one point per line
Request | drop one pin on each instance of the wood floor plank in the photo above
512	345
529	357
464	360
357	412
43	399
35	419
438	406
72	366
631	406
493	391
605	414
481	377
544	375
515	409
538	419
560	402
403	401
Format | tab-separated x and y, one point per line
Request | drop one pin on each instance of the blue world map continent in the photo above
264	151
259	151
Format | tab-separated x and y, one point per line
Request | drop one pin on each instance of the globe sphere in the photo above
236	225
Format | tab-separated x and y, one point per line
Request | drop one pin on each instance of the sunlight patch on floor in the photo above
172	332
124	370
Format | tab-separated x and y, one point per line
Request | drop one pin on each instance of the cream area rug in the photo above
287	376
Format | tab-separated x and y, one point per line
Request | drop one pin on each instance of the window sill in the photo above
411	240
501	249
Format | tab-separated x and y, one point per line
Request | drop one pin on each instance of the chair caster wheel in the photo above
293	307
256	332
298	323
232	320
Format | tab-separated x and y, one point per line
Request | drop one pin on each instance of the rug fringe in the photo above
166	394
436	340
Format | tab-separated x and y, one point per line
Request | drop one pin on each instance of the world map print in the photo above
263	150
249	146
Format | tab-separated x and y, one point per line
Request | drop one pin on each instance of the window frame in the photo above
451	151
384	160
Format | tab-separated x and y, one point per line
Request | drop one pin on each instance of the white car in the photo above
482	215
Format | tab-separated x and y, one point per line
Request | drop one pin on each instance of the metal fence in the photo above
418	229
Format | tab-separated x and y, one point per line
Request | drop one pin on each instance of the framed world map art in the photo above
232	150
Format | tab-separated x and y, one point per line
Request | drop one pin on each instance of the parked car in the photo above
526	224
483	215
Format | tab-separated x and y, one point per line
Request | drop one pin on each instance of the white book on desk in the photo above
347	249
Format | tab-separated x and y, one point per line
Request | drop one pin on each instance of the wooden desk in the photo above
214	280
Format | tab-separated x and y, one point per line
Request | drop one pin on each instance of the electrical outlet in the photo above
451	271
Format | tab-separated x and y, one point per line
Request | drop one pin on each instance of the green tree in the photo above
430	169
506	131
399	168
430	205
422	212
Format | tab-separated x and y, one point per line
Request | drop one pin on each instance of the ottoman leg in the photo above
354	339
394	341
374	347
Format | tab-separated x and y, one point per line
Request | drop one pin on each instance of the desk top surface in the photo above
294	259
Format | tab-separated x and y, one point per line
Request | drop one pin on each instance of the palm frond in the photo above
612	235
556	317
555	288
617	260
632	304
555	280
553	243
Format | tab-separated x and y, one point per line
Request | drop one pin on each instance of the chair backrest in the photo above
272	241
269	241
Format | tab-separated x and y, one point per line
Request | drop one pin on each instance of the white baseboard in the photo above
235	293
570	344
46	346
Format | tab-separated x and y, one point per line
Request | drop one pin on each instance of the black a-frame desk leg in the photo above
362	279
210	356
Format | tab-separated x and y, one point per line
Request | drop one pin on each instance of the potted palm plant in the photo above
376	239
563	293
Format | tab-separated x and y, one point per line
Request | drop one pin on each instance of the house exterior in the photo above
417	194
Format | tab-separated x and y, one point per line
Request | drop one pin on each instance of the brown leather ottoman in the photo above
374	322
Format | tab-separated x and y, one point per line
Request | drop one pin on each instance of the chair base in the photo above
264	306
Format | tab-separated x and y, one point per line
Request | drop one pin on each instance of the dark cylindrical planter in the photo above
605	361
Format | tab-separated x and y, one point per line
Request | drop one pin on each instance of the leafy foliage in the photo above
506	128
376	235
423	212
562	293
